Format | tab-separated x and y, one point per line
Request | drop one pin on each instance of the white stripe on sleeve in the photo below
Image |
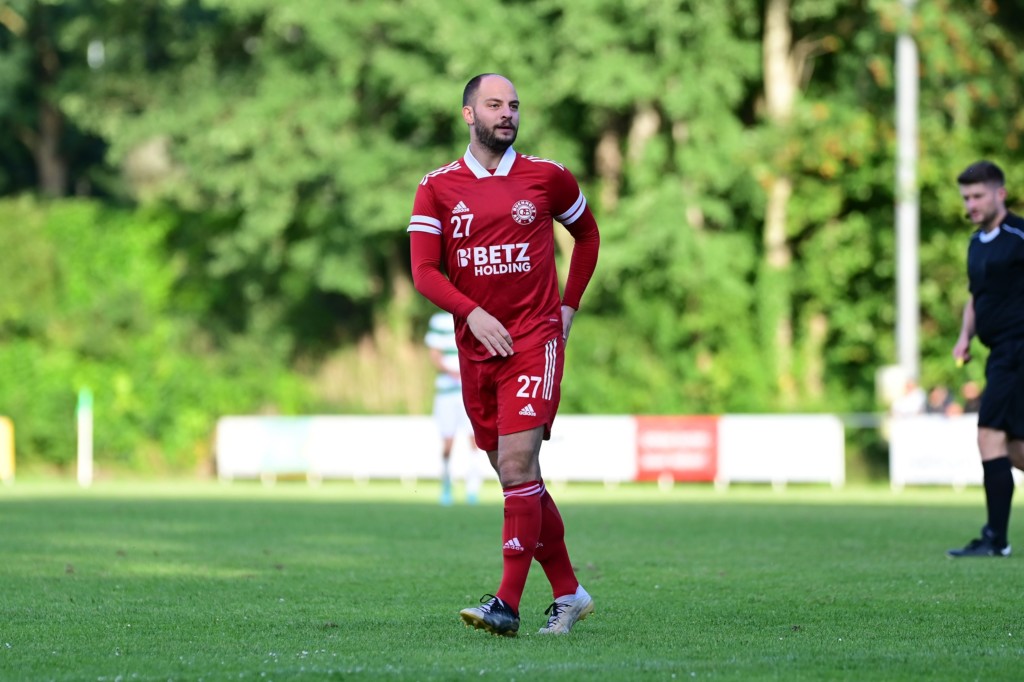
424	223
574	212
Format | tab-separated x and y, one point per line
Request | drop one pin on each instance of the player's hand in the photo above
568	313
490	332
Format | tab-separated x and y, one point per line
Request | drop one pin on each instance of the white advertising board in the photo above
318	447
590	448
780	449
932	449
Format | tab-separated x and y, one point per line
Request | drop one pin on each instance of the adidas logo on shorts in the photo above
528	411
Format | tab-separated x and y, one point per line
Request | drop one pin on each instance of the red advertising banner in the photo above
685	448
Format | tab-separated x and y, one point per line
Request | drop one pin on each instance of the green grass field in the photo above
203	581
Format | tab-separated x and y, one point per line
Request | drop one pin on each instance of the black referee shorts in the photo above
1002	402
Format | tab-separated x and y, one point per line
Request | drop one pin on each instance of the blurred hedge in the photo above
90	302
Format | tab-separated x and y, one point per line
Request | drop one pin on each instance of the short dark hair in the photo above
982	172
469	92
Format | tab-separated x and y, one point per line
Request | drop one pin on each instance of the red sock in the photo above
519	536
551	551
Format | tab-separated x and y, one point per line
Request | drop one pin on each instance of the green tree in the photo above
739	157
94	309
43	51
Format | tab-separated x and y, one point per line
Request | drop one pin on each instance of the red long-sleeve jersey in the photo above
482	238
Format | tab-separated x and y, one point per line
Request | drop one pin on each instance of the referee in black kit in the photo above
995	313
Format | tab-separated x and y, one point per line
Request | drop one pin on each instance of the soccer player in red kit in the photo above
483	248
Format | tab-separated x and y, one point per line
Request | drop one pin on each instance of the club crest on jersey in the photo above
524	212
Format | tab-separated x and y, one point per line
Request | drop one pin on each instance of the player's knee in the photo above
514	470
510	476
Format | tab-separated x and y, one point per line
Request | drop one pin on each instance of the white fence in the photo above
775	449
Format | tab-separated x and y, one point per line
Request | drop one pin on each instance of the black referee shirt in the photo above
995	270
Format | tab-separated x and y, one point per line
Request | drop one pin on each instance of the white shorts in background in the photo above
450	414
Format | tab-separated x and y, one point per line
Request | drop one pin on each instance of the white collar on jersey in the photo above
504	166
986	237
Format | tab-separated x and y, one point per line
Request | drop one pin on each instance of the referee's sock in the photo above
999	486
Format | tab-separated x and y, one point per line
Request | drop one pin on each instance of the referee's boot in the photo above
987	545
493	615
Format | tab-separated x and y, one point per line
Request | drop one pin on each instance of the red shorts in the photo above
513	394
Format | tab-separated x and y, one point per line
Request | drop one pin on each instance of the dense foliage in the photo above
206	199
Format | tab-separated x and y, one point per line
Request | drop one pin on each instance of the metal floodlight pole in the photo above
907	201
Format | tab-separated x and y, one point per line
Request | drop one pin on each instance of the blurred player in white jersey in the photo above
449	410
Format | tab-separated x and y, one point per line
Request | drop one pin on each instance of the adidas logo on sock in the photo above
528	411
460	208
513	544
